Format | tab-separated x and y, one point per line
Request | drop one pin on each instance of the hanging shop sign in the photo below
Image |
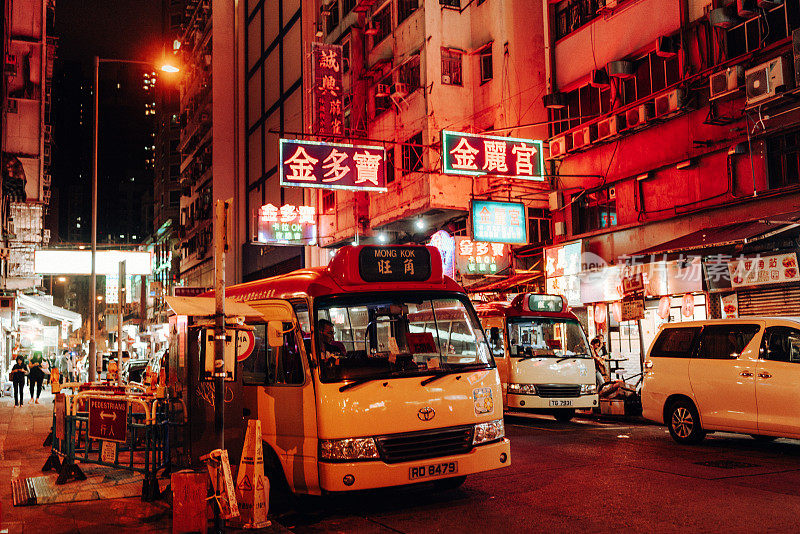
286	225
562	259
447	248
730	306
332	165
327	102
567	286
499	222
752	271
473	155
478	257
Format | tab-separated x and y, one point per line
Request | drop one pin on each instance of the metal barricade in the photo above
143	447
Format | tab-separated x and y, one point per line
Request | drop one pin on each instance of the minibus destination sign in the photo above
394	264
547	303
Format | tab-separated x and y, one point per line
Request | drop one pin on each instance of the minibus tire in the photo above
564	416
683	422
279	490
449	483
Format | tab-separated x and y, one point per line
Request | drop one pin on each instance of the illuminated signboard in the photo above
327	100
112	289
548	303
80	262
287	225
332	165
474	155
499	222
478	257
562	260
447	248
394	264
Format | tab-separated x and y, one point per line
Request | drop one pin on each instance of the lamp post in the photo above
97	61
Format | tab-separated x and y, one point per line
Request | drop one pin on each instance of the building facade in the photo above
672	138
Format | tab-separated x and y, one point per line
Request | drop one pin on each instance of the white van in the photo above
737	375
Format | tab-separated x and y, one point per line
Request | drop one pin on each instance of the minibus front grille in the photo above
558	390
395	448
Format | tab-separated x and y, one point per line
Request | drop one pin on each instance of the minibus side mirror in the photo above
275	333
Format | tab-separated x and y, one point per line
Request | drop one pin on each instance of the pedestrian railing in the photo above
128	431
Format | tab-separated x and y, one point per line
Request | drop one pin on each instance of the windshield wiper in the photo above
437	376
523	358
364	380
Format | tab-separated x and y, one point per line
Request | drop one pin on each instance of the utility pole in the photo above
221	208
121	291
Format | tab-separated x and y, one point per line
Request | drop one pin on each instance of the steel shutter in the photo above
770	301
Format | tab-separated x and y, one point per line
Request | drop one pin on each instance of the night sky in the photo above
111	29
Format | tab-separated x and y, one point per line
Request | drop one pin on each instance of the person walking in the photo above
36	376
18	373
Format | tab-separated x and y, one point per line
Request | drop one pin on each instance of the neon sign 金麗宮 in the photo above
287	225
475	155
332	165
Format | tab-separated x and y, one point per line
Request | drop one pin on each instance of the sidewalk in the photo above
22	432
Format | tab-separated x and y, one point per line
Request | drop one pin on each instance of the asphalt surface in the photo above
589	475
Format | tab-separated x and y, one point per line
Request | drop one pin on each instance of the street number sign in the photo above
108	420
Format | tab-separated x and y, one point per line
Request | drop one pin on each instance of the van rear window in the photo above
675	343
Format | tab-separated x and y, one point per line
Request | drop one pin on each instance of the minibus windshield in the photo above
398	334
537	337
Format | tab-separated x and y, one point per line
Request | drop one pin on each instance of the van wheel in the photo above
563	416
684	423
449	483
280	495
763	438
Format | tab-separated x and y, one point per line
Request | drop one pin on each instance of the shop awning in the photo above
35	305
502	284
206	307
721	236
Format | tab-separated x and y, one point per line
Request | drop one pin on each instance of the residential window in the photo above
382	100
594	211
783	160
538	225
382	23
412	154
758	32
725	342
572	14
450	3
486	64
409	73
348	6
451	66
174	198
390	165
405	8
328	200
346	56
333	16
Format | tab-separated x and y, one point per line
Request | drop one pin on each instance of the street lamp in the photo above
166	67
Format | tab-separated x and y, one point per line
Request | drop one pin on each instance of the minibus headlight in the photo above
588	389
348	449
489	431
522	389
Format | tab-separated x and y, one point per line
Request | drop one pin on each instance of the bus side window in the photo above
254	368
284	363
496	342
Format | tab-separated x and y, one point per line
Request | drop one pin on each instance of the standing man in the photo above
18	373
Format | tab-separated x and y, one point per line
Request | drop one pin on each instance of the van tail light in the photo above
648	364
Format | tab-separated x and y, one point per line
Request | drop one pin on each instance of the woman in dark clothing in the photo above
36	377
18	373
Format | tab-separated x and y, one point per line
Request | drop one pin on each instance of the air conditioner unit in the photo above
725	82
767	80
747	8
559	228
555	200
559	146
621	69
371	29
670	103
381	90
638	116
667	46
610	127
399	90
584	136
446	79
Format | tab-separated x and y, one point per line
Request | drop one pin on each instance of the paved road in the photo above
592	476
